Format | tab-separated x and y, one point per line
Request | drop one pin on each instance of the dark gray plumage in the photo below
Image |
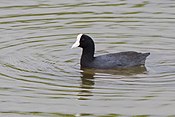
108	61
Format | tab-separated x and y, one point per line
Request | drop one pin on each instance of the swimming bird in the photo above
108	61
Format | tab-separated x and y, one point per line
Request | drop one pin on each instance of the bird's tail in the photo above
144	55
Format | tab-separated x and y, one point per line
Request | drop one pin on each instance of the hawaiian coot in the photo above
107	61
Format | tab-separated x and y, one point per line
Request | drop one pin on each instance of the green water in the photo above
40	75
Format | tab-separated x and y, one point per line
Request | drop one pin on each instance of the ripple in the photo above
40	72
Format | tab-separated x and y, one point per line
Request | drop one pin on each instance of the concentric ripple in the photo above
40	74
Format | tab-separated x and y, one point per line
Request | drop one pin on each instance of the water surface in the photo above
40	75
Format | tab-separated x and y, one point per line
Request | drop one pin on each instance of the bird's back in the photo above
119	60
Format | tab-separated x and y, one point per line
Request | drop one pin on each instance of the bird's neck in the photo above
87	55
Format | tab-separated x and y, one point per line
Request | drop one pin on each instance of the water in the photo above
40	75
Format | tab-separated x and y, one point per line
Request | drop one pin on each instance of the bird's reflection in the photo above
87	84
88	78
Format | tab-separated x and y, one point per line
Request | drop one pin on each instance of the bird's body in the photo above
115	60
107	61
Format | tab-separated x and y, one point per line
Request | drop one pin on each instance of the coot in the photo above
107	61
